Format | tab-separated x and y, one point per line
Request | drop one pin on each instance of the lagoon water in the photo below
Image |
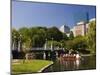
86	63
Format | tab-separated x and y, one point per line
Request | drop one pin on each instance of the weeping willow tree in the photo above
25	38
15	38
91	37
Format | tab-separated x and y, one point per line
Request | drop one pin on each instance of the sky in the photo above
33	14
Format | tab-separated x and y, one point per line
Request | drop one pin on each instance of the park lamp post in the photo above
52	45
45	47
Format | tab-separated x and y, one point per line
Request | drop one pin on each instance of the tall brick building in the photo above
81	28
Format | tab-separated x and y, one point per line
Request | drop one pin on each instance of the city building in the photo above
65	29
81	28
93	19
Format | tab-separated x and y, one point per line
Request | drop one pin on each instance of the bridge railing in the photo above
46	49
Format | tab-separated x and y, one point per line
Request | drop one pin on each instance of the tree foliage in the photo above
24	32
54	33
91	36
56	44
15	37
38	36
71	36
78	42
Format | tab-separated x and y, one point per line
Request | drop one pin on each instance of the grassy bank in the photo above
29	66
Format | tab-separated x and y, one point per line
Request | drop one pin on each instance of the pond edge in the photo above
45	67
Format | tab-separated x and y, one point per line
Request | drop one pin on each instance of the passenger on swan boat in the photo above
70	55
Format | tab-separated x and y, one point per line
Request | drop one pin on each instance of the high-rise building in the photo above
64	29
81	28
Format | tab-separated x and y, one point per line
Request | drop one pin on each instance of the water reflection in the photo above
83	64
71	64
77	63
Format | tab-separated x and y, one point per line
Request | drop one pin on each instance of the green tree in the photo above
78	42
38	36
56	44
15	37
65	37
91	37
69	44
38	41
54	33
25	33
71	36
